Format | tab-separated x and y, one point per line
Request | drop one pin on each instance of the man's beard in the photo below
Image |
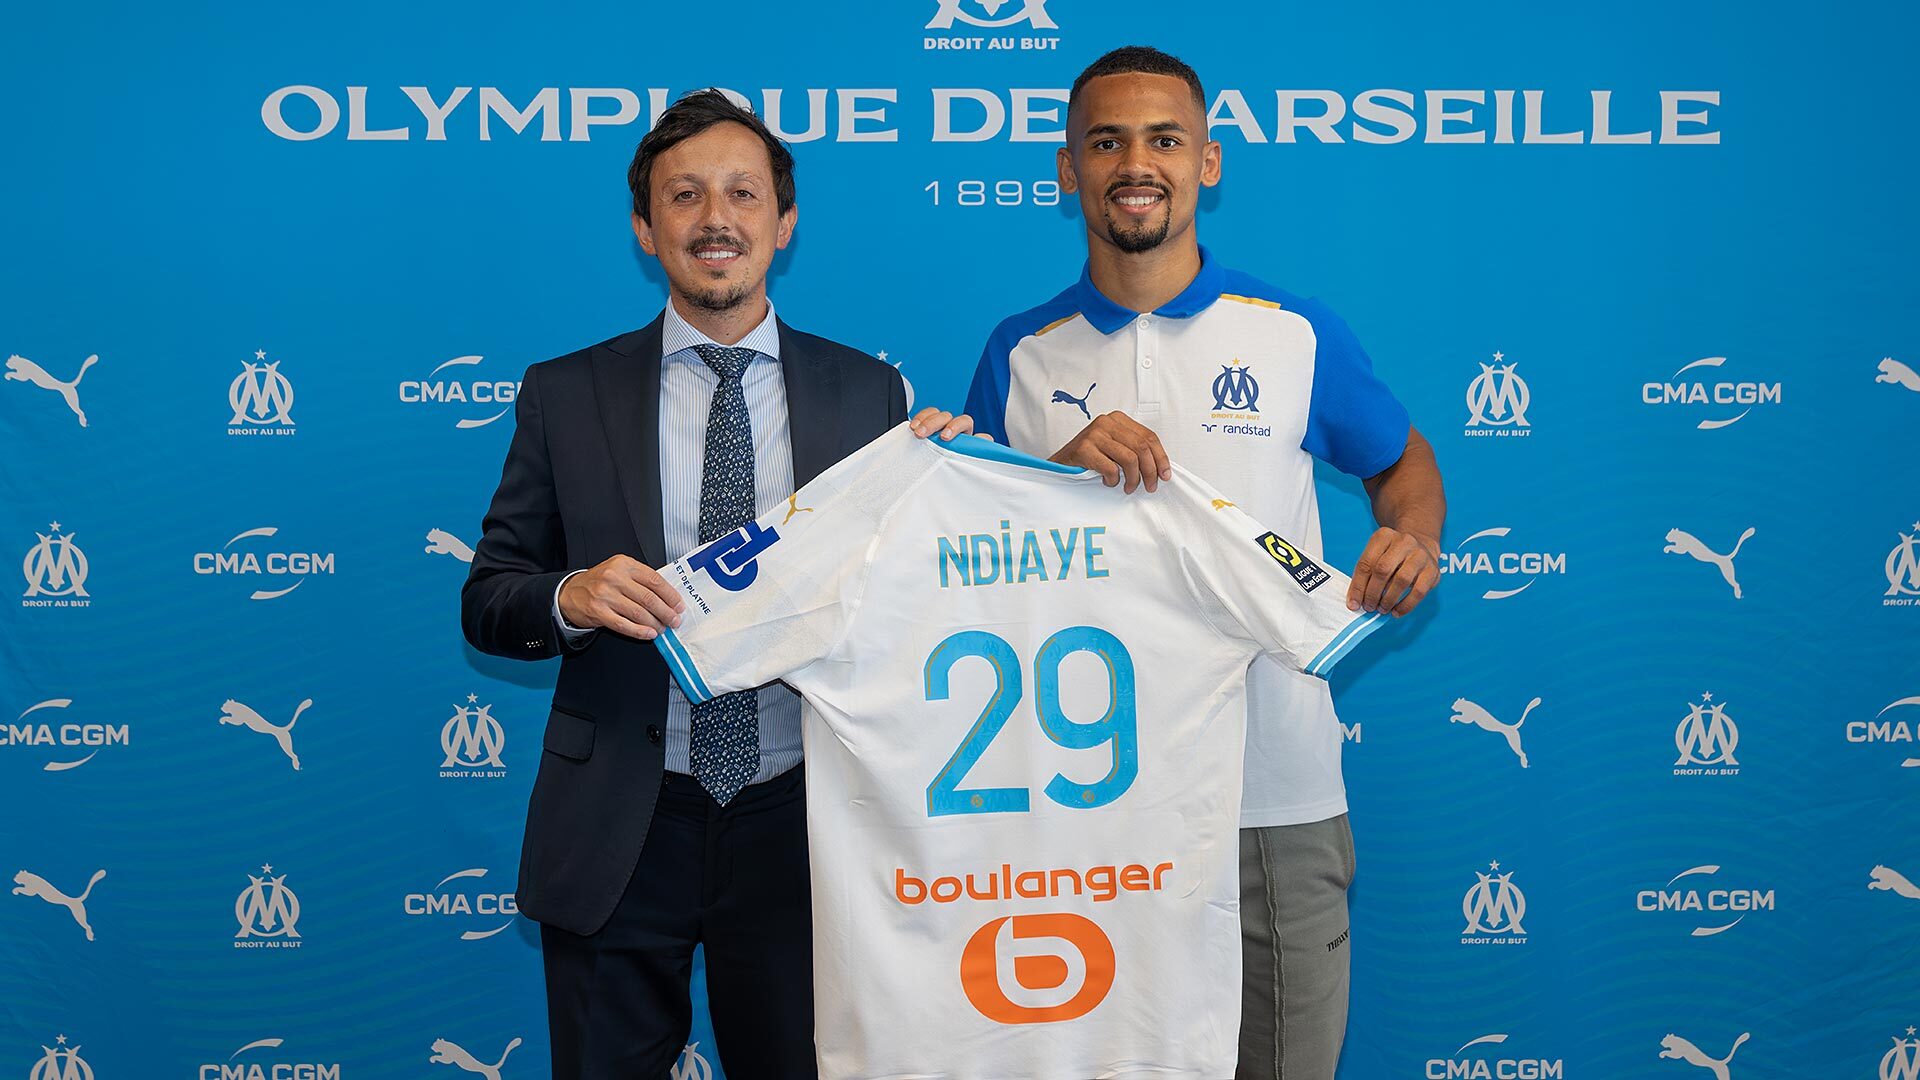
1139	238
719	300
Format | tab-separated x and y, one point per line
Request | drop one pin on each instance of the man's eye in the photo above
744	193
1167	142
682	196
1106	144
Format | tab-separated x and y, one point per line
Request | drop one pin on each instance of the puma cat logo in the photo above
30	884
1466	712
1891	371
1222	504
442	542
1886	877
794	507
234	712
1675	1047
451	1053
1685	543
21	369
1061	397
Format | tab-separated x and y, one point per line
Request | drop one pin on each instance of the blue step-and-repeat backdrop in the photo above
1636	792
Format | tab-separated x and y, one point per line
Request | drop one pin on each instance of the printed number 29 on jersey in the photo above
1117	728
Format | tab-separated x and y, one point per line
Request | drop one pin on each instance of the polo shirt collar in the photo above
678	335
1107	316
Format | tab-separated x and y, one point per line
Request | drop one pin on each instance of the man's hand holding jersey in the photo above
1118	447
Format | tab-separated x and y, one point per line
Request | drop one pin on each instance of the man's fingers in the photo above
1394	586
1123	456
1365	569
629	628
638	596
1143	439
1423	584
1149	467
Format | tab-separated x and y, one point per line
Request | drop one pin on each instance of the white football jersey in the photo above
1026	702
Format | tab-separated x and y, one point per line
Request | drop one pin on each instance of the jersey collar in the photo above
1107	316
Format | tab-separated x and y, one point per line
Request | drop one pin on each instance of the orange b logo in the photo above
980	968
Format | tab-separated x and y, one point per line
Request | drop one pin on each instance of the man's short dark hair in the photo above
1139	60
691	115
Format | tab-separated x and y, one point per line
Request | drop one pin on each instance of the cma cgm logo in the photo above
1483	554
254	1068
482	400
1037	969
52	729
1487	1063
729	560
494	910
1898	728
1726	402
1708	905
271	567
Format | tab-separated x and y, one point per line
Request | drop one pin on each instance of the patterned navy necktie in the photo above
723	748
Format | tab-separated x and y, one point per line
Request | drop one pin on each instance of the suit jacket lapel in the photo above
813	407
626	380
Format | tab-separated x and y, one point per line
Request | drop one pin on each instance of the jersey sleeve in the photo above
987	396
1354	423
1256	586
771	598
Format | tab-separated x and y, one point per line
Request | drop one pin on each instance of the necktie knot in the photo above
727	361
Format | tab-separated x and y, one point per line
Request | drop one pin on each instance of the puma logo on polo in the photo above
1061	397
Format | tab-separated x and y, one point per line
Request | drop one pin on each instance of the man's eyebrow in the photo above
1158	127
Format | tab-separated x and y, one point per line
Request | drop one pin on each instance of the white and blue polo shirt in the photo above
1245	384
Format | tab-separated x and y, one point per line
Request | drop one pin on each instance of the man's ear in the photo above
784	234
1210	165
643	232
1063	165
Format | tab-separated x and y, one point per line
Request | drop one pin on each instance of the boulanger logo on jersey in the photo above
261	398
476	402
1236	403
268	912
60	1062
1706	737
1893	724
1029	25
471	742
1903	1061
56	571
64	741
275	571
258	1061
1497	401
1041	967
1494	907
1506	568
1903	570
1703	390
1488	1058
455	900
1701	899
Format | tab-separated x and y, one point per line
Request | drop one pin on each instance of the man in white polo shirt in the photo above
1160	351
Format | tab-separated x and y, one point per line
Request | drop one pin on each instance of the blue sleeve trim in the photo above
970	446
993	380
678	662
1344	641
1354	423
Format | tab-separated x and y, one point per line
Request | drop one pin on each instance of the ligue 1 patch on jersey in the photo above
1304	570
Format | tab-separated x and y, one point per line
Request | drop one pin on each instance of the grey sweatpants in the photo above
1294	943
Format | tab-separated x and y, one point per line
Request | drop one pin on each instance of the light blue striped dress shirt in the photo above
686	395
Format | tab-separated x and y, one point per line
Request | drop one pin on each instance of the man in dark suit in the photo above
655	826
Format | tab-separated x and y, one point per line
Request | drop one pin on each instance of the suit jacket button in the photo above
653	734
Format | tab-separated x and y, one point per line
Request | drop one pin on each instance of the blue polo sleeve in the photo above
987	397
1354	423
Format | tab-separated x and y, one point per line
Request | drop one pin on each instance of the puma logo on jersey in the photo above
1891	880
1467	712
31	884
1222	504
1061	397
794	507
1891	371
21	369
1680	542
452	1053
238	714
1676	1048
